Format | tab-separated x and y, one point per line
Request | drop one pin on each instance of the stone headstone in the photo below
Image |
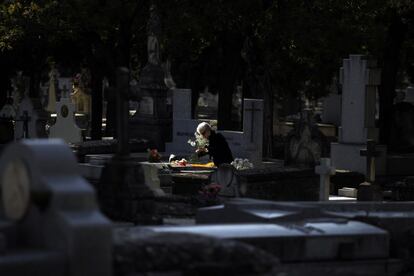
65	126
183	125
249	143
360	79
49	216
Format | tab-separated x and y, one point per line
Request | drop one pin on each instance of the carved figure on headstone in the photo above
53	87
306	144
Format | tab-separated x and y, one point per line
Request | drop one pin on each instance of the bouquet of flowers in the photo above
198	142
153	155
242	164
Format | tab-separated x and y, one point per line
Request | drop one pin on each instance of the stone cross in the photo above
370	152
325	170
252	109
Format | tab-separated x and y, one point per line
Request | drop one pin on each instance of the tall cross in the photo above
370	152
252	109
325	170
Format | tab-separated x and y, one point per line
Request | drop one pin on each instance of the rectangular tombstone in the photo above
300	241
249	143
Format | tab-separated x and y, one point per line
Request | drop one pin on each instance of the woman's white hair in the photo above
202	127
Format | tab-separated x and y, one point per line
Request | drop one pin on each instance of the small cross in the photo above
370	152
65	91
252	109
325	170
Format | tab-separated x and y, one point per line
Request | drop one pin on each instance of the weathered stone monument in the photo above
122	187
50	222
53	89
154	121
360	78
65	126
305	143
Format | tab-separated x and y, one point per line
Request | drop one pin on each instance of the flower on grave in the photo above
242	164
198	142
153	155
210	191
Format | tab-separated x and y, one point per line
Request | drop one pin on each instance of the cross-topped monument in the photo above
360	78
65	126
325	170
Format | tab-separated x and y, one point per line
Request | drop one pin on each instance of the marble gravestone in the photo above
50	223
65	126
184	126
360	78
248	143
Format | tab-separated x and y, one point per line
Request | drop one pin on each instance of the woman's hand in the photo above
201	150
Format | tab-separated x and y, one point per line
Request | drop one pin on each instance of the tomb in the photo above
50	222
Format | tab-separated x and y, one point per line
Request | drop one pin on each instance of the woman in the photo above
217	148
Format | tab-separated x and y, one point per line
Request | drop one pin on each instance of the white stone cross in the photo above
325	170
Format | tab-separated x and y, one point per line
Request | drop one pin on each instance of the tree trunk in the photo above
393	45
96	120
228	78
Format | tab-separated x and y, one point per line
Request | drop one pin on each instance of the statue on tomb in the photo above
154	31
305	144
81	92
53	87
